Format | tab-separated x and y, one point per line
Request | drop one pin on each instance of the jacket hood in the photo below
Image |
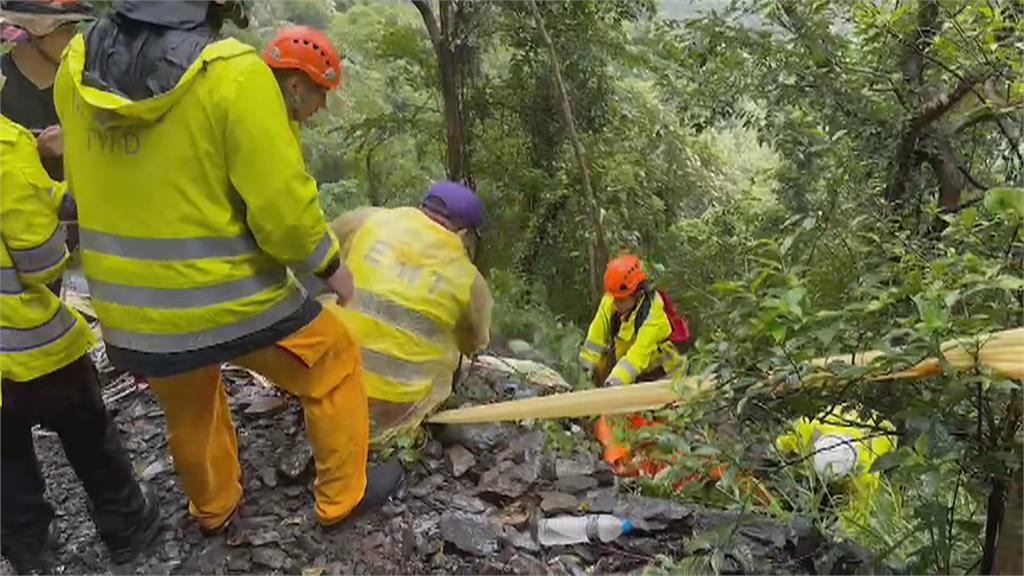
132	72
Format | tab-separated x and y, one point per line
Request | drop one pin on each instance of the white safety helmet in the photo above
835	456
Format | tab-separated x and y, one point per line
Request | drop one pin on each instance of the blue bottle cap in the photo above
627	526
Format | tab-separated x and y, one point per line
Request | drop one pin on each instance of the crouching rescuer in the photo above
419	301
194	202
636	335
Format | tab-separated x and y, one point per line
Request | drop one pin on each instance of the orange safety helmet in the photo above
623	276
306	49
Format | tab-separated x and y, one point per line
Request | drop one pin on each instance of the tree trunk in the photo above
1009	549
600	242
444	37
924	138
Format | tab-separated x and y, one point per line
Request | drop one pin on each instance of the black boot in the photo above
125	549
26	561
382	481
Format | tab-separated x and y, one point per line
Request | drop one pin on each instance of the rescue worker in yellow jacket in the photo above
841	453
630	337
306	66
194	204
49	379
419	301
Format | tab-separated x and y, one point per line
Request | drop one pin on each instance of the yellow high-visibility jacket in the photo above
38	333
193	204
861	485
419	301
637	352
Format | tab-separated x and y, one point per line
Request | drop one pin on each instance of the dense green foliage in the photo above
806	178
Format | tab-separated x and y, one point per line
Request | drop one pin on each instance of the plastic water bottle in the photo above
576	529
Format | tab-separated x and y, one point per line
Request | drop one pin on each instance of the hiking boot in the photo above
32	559
26	560
382	481
145	529
227	523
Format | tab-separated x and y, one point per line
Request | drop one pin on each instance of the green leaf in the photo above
778	333
1005	201
1007	282
968	217
727	287
888	461
826	335
792	299
921	445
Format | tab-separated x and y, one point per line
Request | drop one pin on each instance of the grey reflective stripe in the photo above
184	341
314	260
625	365
398	369
170	298
46	255
399	316
612	382
167	248
19	340
588	345
9	282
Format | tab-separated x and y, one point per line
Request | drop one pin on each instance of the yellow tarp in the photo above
1002	352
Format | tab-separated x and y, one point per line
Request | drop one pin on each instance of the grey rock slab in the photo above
569	565
651	513
523	563
520	539
526	447
470	533
459	460
558	502
578	466
427	486
575	484
477	438
601	501
469	504
520	347
604	474
296	462
266	406
155	469
264	537
212	558
269	476
273	558
508	479
433	449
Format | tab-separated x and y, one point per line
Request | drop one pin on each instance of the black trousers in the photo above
67	401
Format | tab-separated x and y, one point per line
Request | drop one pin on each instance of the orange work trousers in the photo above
320	364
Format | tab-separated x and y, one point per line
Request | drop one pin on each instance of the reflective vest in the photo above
38	333
636	352
193	204
413	282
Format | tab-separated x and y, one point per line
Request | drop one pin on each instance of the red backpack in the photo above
680	336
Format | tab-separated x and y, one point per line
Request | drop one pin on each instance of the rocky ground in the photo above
470	506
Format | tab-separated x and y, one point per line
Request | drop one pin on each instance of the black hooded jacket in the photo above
143	47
